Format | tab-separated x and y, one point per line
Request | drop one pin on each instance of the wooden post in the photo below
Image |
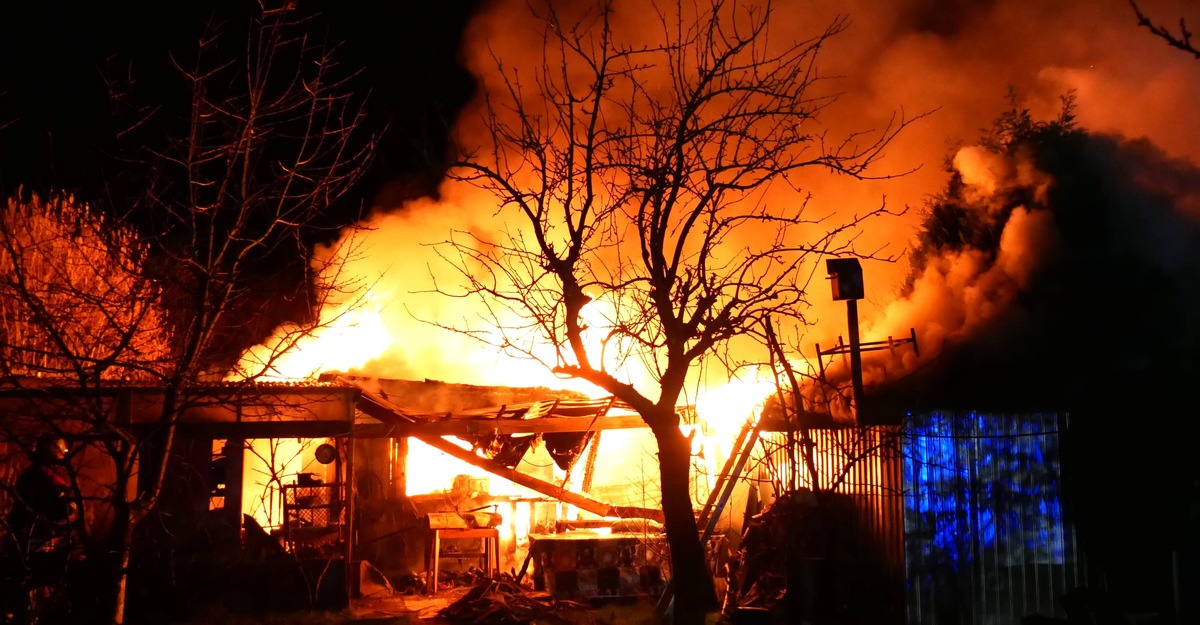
235	457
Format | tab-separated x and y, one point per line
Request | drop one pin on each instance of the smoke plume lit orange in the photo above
960	58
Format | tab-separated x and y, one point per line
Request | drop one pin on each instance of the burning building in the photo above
532	465
1055	277
313	481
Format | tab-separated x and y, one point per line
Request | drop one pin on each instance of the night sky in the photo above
59	122
55	112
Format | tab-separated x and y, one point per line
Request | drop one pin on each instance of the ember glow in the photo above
725	407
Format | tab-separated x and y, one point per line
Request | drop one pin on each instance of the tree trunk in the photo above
695	596
120	583
122	542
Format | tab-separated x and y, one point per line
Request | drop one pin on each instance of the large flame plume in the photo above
1134	95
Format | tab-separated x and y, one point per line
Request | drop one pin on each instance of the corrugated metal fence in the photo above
862	469
984	534
958	516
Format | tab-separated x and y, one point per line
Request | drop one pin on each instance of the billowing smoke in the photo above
1135	95
1056	263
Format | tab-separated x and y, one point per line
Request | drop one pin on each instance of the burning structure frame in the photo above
220	419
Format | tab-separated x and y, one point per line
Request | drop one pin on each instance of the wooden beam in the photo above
484	427
267	429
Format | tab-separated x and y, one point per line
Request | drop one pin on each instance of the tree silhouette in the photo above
639	172
238	182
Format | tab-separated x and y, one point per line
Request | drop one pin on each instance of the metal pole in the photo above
855	352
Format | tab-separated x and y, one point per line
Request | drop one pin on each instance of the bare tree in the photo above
647	235
76	295
272	138
1181	40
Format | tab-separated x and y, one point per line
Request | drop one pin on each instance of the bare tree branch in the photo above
1180	41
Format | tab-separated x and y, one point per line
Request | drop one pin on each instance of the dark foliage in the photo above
952	223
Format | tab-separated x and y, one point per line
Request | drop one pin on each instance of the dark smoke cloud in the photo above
1083	276
962	58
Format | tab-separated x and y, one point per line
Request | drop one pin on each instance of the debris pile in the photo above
778	545
470	576
496	602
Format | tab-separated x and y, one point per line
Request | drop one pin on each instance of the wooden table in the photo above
433	548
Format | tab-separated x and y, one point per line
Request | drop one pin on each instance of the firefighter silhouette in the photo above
40	542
